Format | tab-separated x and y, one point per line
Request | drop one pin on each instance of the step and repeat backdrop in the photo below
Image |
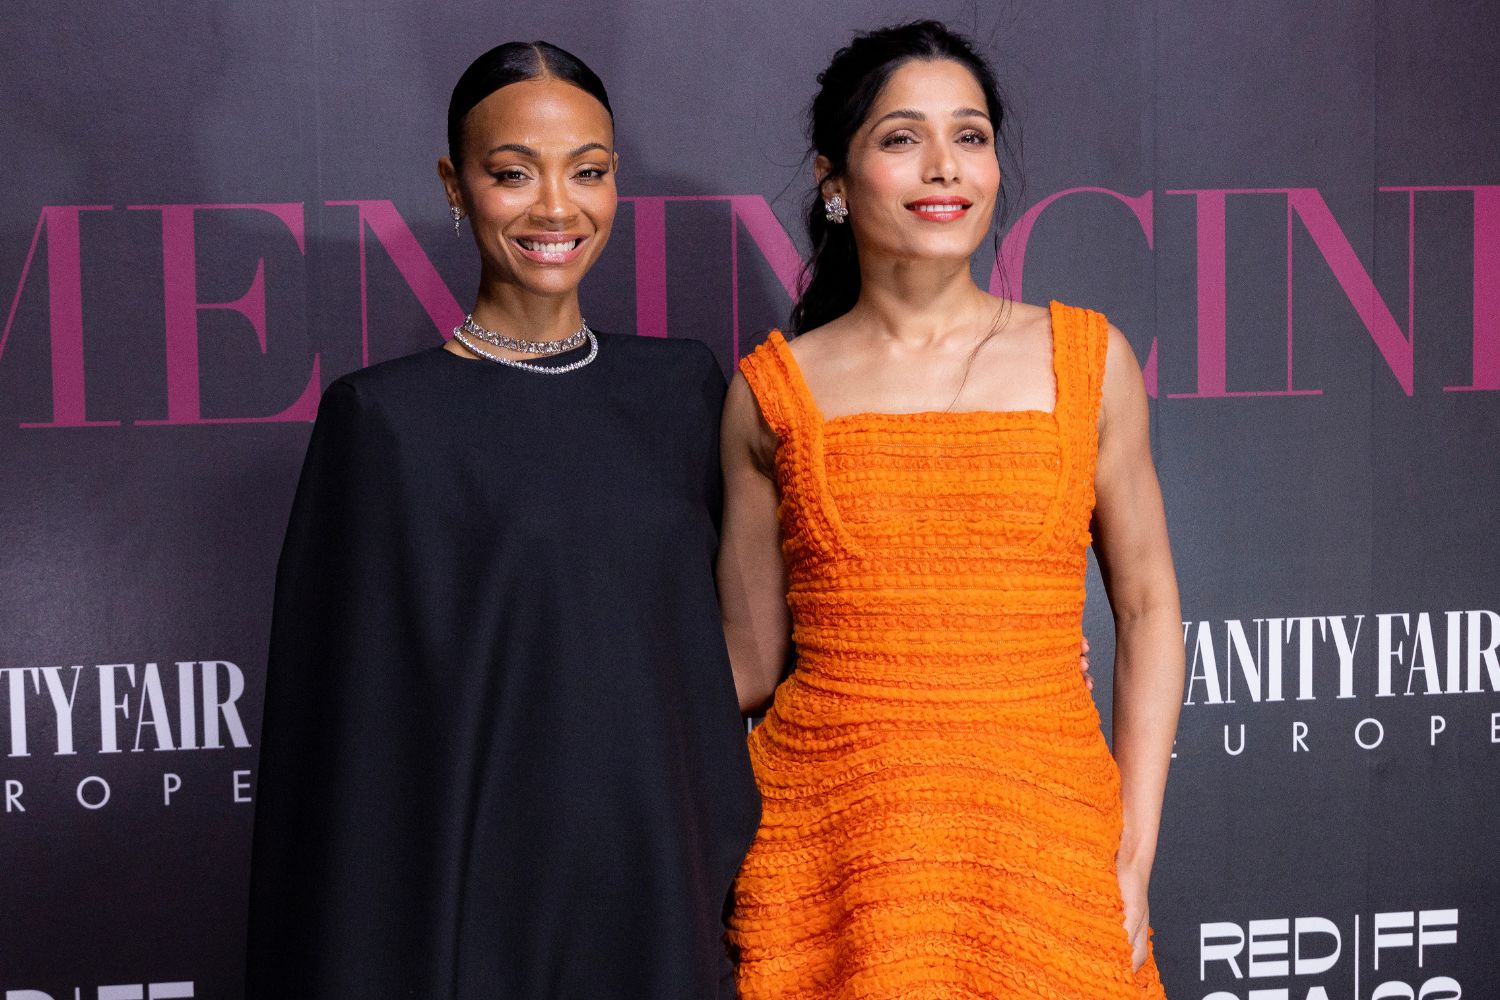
1291	207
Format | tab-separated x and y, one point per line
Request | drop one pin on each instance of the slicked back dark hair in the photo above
510	63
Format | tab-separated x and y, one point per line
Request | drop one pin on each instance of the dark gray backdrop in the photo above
1233	184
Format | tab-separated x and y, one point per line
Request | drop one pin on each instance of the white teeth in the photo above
536	247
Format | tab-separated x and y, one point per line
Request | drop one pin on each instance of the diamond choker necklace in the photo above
468	326
494	339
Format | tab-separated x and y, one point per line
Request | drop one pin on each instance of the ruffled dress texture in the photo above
940	810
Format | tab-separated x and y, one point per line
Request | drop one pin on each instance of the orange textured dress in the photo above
940	810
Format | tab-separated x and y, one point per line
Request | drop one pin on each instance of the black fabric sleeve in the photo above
317	784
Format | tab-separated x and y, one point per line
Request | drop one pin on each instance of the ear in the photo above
451	187
828	185
614	162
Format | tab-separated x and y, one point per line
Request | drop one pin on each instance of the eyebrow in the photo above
910	114
516	147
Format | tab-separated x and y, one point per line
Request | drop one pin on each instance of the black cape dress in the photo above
501	754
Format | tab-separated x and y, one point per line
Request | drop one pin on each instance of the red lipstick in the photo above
939	208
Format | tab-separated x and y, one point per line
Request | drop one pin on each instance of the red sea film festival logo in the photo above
118	991
1388	955
59	238
93	712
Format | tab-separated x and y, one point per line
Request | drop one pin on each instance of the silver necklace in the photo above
458	334
473	329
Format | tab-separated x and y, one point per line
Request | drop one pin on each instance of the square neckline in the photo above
811	407
1079	343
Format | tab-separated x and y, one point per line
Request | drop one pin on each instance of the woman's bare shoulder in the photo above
1024	320
817	344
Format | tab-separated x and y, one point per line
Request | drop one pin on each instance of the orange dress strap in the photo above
810	518
1080	340
778	388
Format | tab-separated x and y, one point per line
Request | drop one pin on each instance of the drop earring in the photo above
457	214
834	210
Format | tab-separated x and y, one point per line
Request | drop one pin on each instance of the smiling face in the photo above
537	184
921	175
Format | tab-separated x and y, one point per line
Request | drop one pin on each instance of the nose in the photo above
553	206
942	165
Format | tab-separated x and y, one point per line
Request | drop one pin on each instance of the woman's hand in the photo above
1133	890
1083	663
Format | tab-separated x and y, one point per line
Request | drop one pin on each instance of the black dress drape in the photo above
501	754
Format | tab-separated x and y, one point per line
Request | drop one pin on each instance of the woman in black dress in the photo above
501	753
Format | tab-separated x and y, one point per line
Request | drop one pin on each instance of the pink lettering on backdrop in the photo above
650	265
181	308
61	226
1486	278
1012	260
400	244
65	311
1394	345
770	239
748	210
1486	290
1308	205
1212	270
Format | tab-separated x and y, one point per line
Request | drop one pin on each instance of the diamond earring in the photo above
457	214
834	210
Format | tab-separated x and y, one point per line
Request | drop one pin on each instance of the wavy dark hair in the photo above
848	89
510	63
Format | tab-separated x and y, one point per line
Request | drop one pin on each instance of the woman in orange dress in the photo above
912	484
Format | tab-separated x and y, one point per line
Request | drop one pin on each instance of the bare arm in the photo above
1135	558
751	571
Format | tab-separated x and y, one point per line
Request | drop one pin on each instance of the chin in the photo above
557	283
945	250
